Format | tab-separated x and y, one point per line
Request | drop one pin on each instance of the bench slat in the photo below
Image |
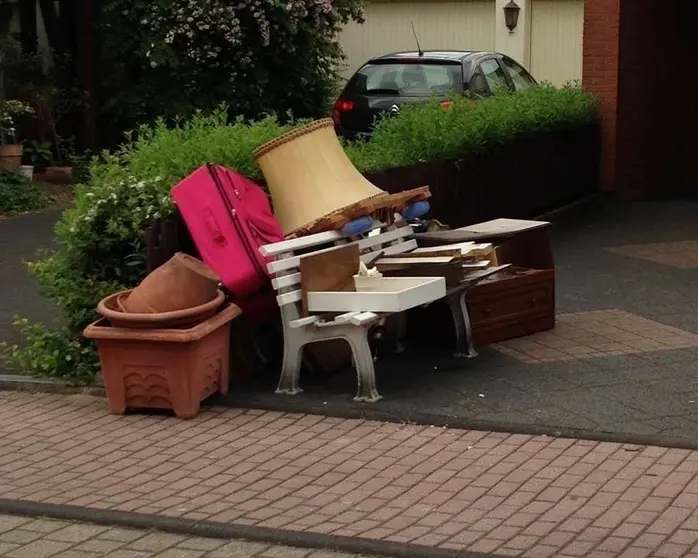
343	318
286	281
289	298
373	242
364	318
295	296
399	248
302	322
308	241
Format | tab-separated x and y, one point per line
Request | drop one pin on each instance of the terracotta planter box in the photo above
11	157
164	368
59	175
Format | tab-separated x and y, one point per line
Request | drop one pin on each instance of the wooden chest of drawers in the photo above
512	305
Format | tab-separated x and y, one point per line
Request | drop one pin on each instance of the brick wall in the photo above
638	59
600	71
656	101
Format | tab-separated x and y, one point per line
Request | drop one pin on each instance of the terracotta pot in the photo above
59	175
164	368
11	157
180	283
111	308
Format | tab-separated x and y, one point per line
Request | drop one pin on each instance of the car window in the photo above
521	78
478	84
407	79
494	75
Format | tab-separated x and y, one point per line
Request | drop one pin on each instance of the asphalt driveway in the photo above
20	239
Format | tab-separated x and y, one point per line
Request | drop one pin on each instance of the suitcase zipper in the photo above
236	222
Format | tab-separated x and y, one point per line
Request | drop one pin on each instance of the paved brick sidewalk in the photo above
512	495
43	538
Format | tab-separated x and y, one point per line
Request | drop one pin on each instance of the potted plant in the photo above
10	150
38	154
61	170
173	368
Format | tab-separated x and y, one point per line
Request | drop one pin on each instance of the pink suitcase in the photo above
229	217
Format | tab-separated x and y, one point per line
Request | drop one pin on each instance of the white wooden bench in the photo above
354	327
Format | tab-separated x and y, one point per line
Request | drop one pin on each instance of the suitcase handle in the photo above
213	228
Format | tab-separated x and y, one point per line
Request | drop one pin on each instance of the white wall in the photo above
556	40
464	24
547	40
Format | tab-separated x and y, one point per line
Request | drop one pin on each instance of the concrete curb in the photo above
30	384
575	209
286	405
228	531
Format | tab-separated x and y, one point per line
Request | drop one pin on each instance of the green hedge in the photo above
101	245
18	193
426	132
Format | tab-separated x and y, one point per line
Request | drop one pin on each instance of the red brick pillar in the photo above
600	76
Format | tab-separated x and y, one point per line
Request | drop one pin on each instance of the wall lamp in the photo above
511	15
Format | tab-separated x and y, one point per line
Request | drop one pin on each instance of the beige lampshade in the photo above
310	177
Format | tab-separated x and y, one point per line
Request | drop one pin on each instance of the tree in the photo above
258	56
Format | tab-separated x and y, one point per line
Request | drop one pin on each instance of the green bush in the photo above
18	193
101	245
425	132
165	57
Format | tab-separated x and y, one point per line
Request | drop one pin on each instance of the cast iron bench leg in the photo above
461	322
291	366
367	392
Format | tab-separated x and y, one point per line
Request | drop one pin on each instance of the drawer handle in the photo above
533	301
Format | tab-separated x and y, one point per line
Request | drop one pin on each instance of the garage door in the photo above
467	24
557	27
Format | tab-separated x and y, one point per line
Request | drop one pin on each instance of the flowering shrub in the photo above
258	56
10	111
101	245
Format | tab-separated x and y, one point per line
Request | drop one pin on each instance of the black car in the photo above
386	82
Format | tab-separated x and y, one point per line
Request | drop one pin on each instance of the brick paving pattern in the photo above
682	254
597	333
514	495
22	537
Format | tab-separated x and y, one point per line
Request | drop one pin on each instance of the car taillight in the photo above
341	106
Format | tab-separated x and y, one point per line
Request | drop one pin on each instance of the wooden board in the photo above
453	272
432	254
461	248
329	271
497	228
477	264
404	259
524	244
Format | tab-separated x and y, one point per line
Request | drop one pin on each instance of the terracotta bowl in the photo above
181	283
111	308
